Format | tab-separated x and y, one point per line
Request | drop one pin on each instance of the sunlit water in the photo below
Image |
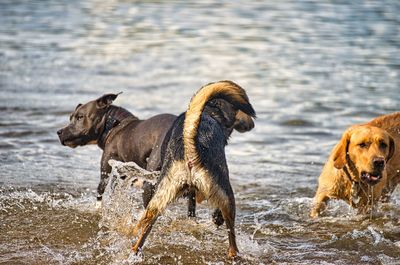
310	68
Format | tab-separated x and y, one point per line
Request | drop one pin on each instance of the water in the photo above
311	68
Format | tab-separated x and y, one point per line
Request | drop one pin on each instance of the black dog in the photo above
194	159
230	118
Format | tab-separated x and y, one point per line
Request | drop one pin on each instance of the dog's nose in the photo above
378	163
59	132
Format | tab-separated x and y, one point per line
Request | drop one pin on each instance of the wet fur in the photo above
229	118
334	182
121	135
132	139
194	159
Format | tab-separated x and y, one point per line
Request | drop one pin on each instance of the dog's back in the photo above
391	124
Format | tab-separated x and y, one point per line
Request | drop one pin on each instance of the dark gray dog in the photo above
124	137
120	134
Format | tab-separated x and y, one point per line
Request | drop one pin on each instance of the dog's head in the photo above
86	122
243	122
229	117
366	150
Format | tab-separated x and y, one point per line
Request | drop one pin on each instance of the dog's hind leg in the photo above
227	208
169	188
145	224
221	196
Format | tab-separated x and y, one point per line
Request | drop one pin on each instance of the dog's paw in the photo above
314	214
233	253
136	249
317	210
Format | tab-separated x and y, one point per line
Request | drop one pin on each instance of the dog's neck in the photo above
357	187
350	170
113	117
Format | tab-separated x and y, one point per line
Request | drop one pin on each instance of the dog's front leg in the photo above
105	170
320	200
217	217
148	192
192	202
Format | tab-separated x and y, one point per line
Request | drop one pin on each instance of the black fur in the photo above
208	175
215	128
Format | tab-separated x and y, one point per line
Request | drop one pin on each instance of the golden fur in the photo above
354	154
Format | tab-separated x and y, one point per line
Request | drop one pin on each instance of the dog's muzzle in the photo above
66	140
378	164
60	134
372	178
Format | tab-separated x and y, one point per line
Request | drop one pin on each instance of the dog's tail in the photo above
226	90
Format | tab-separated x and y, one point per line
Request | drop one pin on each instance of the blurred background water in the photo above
311	68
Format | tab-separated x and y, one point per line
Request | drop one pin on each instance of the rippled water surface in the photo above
311	68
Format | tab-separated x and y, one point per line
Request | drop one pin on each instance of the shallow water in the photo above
311	69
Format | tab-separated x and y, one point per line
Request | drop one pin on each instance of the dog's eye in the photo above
79	117
383	145
362	145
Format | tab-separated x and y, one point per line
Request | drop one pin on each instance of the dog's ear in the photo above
72	114
243	122
106	100
391	148
341	149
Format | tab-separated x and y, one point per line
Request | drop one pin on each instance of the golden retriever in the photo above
363	167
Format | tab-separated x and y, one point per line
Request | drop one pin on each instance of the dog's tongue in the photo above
371	177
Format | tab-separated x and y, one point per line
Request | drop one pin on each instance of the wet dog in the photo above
124	137
363	167
194	159
121	135
230	118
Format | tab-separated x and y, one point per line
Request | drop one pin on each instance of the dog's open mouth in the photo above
371	178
